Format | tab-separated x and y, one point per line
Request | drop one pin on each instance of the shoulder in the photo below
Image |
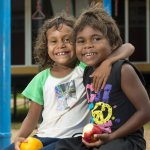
127	69
40	78
42	74
130	71
130	76
124	69
115	75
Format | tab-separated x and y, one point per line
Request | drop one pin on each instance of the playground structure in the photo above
5	89
14	78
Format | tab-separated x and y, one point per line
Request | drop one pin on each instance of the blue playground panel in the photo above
5	126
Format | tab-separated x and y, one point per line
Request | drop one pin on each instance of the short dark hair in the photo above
97	18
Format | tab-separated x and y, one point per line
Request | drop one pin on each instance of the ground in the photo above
147	135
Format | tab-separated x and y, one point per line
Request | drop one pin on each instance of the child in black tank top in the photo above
122	107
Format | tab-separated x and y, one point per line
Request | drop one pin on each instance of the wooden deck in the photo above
32	70
143	67
24	70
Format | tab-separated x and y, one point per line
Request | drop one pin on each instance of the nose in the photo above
88	45
61	44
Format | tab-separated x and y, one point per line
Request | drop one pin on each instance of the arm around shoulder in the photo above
122	52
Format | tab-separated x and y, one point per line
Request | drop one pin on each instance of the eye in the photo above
80	41
66	40
52	42
96	38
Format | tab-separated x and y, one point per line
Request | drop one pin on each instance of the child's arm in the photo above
136	93
100	75
28	124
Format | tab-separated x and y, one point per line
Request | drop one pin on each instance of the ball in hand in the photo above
31	144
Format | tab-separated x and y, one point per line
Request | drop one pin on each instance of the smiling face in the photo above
60	50
91	46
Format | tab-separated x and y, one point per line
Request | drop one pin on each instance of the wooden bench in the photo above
143	67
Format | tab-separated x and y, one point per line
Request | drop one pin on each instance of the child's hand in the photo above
100	75
92	144
101	139
18	141
104	138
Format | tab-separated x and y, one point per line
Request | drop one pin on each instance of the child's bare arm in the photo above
28	124
100	75
123	52
136	93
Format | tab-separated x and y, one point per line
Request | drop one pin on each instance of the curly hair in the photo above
40	47
97	18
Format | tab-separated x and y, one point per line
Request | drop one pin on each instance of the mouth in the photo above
62	53
89	54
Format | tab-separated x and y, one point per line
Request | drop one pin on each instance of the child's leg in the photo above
47	141
118	144
70	144
50	146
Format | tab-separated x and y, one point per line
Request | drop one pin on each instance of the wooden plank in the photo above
32	70
24	70
143	67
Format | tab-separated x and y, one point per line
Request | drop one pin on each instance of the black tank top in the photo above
110	108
